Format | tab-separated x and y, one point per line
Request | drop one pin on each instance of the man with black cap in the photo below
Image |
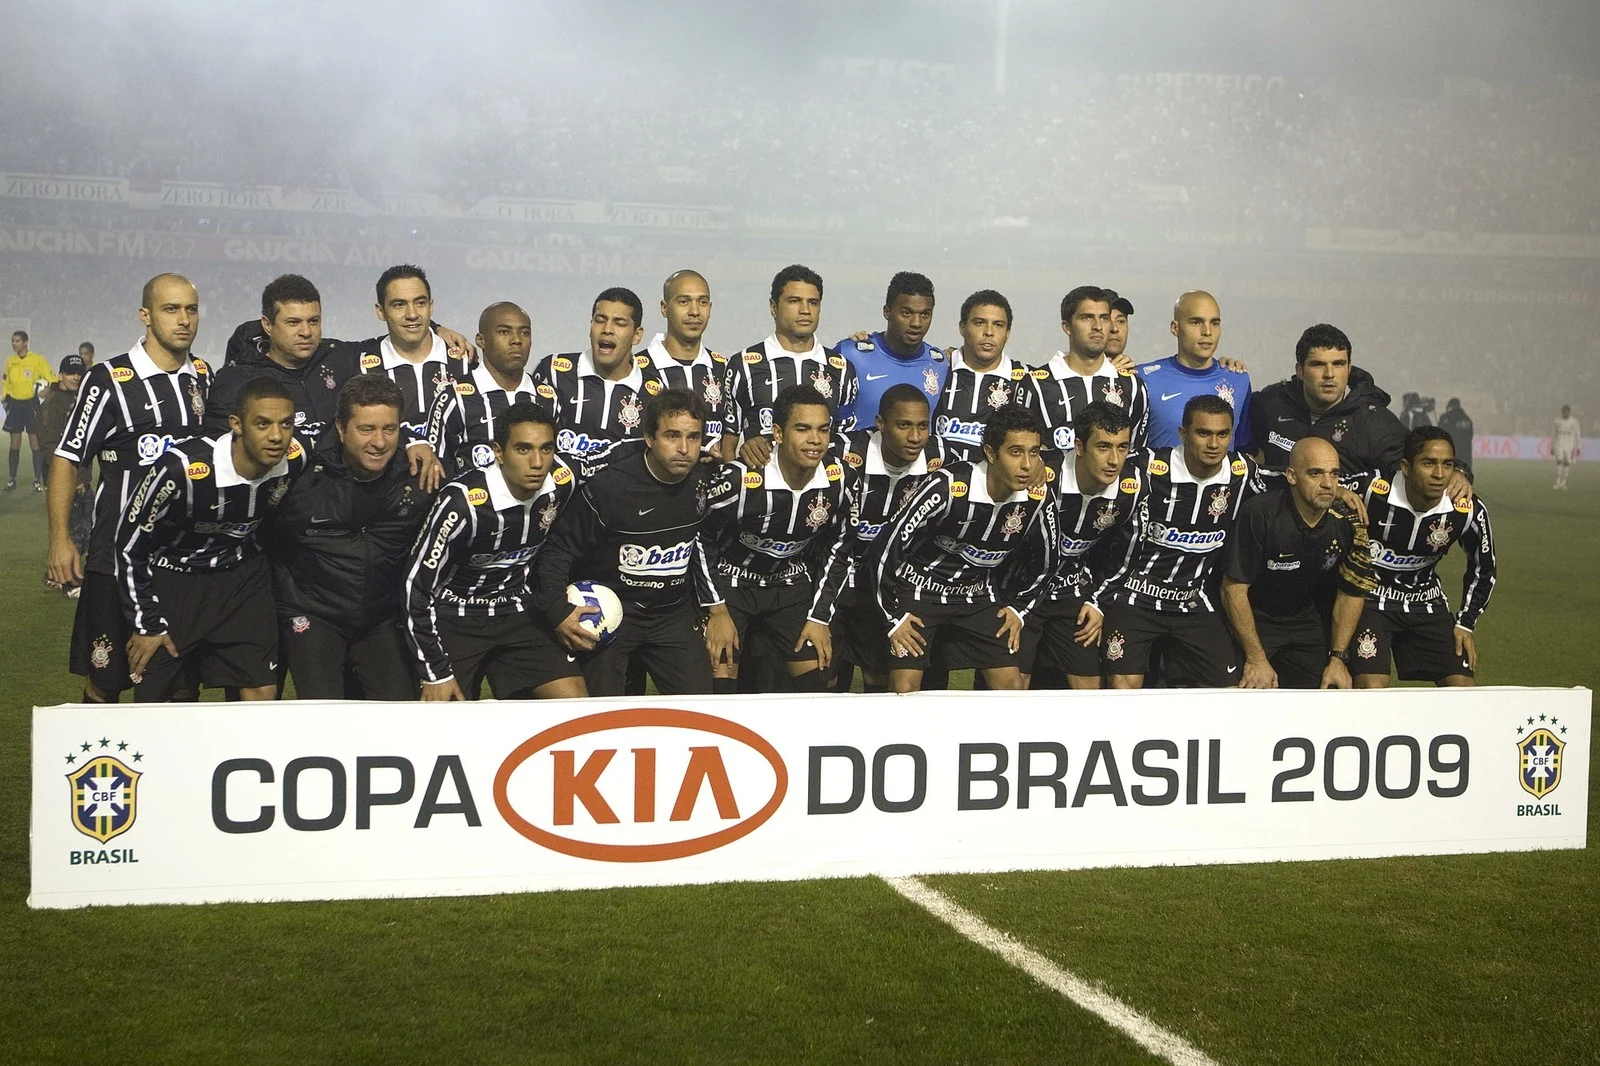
51	423
1117	335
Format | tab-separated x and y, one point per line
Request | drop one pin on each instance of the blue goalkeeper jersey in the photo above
877	368
1170	385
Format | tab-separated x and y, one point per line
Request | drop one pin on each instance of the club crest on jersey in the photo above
702	497
197	403
1011	525
100	652
1367	645
712	393
629	412
999	395
547	516
1539	758
821	381
909	491
1225	391
328	381
477	497
104	793
1113	394
1158	467
1330	559
930	381
441	378
1439	533
817	513
1340	428
1116	643
197	470
1106	518
300	623
280	488
1219	503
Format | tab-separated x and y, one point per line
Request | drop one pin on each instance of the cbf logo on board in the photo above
104	789
1539	748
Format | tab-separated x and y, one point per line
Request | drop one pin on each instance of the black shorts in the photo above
515	653
1423	646
326	664
769	620
670	643
20	415
965	635
1196	648
1297	648
1047	641
860	633
225	626
100	631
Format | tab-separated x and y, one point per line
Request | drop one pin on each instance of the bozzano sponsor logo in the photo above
542	784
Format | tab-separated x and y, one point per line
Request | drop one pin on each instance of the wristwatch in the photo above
1342	656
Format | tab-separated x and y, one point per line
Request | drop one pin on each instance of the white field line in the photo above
1109	1009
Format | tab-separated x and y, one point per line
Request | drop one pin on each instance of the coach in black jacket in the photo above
339	544
1328	397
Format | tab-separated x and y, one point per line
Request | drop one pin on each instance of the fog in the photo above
1423	179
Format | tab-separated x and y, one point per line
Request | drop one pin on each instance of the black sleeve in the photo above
579	529
1247	549
247	339
1388	441
432	563
221	396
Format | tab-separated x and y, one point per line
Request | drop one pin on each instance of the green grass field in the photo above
1465	959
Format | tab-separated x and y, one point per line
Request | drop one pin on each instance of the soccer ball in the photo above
594	594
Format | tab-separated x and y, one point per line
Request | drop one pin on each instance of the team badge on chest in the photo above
1012	524
930	381
547	515
327	377
197	403
999	395
1113	394
1219	503
1106	518
1439	533
817	513
1226	392
821	381
712	391
629	412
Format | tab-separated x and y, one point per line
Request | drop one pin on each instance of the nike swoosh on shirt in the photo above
319	521
876	377
646	511
1286	418
1233	669
1169	395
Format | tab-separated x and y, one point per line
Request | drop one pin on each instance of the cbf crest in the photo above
1539	762
105	797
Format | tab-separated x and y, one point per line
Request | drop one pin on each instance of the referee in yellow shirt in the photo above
25	374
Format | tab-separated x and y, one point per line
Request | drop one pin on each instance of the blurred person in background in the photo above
1564	445
1458	424
54	411
27	373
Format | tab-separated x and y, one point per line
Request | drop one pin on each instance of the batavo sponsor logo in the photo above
642	785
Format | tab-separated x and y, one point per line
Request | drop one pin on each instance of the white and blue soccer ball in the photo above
594	594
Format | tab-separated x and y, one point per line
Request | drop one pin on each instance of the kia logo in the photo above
643	785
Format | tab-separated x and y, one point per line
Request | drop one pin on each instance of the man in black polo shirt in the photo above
1295	556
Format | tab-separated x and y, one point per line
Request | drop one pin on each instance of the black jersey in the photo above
759	532
194	512
969	398
758	374
420	382
1180	526
883	488
632	532
461	423
1085	523
1407	545
593	412
704	377
474	555
1058	392
949	542
127	413
1293	568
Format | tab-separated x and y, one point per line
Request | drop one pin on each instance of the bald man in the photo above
1297	573
463	419
680	355
1195	371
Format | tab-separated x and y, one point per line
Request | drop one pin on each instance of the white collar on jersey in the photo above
1060	368
1067	484
1398	498
958	361
978	491
146	367
772	473
500	497
774	349
874	463
227	475
662	359
1179	473
486	383
392	358
587	369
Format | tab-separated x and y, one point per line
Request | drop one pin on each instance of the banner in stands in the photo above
289	801
1490	447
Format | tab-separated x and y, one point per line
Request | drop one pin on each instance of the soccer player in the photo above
413	355
1331	398
130	409
1160	596
897	354
773	538
469	588
939	567
1117	334
680	356
464	417
982	378
892	460
339	543
634	527
195	583
1096	486
791	355
26	375
1195	371
54	413
1412	522
1564	444
598	396
1297	573
1083	374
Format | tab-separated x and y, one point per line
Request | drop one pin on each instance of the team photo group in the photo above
437	516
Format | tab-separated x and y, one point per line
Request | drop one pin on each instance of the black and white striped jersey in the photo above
1058	392
127	413
474	556
969	398
1407	544
948	544
704	377
461	423
1173	554
594	412
757	375
1085	523
420	383
883	488
194	512
760	532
